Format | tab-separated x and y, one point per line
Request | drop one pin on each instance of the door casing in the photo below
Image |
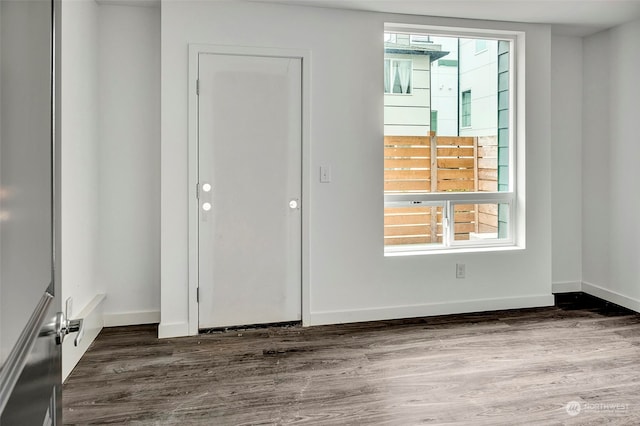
193	206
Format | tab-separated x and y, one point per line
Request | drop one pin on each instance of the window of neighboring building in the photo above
397	76
448	184
390	38
465	109
481	45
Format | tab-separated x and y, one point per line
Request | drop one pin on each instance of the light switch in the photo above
325	174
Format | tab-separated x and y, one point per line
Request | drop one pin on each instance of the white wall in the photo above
110	83
349	277
79	136
79	188
129	163
566	162
611	231
596	205
111	157
4	348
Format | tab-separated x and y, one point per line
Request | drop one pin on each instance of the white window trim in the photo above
515	197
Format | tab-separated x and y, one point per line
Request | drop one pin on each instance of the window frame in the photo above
448	200
513	198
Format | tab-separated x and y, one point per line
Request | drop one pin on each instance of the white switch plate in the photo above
325	174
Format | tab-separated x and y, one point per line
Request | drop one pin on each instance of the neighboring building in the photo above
444	84
444	93
465	87
478	87
407	73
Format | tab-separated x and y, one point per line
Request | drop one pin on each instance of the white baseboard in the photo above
412	311
93	323
566	286
131	318
176	329
611	296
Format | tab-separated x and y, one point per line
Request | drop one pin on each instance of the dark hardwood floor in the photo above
503	368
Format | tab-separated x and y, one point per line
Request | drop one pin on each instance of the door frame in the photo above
193	206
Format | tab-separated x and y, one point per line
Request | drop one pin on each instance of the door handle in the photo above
76	326
66	326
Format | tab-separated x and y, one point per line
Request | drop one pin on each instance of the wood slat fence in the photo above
418	164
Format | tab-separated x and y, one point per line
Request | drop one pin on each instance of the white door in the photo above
249	149
30	356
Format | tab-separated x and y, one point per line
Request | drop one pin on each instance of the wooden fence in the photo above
418	164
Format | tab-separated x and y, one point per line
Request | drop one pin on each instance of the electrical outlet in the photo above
460	270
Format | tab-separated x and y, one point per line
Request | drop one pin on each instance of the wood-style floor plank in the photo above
502	368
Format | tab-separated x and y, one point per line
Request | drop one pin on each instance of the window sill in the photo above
451	250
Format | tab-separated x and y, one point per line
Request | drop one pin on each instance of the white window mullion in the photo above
430	197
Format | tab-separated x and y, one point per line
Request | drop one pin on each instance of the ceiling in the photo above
568	17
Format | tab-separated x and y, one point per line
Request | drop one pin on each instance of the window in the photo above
448	185
390	38
481	45
419	39
465	107
397	76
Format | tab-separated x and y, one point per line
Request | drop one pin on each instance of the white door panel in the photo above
30	358
250	154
